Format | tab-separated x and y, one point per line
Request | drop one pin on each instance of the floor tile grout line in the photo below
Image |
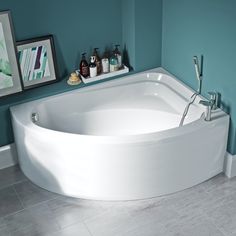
86	219
22	204
36	204
15	231
66	227
76	223
44	201
56	221
10	185
86	226
12	233
212	221
13	213
3	224
26	208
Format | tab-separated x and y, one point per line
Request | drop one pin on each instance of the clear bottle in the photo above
92	67
97	61
118	55
84	66
113	63
105	62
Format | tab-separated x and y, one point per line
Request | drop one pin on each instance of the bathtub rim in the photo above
29	107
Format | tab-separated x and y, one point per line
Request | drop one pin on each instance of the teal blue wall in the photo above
203	27
148	34
142	32
128	28
77	26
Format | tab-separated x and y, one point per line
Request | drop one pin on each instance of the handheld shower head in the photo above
198	73
195	60
197	69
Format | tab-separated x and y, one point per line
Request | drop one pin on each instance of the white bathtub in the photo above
120	140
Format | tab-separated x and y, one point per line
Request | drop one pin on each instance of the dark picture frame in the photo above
10	76
37	60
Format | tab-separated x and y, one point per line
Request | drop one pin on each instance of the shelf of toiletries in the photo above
98	69
121	71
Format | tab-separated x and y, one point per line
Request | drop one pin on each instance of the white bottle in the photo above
105	65
92	67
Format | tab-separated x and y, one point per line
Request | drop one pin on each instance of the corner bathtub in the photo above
120	140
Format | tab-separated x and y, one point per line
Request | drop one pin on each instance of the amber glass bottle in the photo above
84	67
97	61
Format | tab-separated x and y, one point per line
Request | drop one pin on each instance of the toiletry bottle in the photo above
113	63
92	67
118	55
97	61
105	62
84	67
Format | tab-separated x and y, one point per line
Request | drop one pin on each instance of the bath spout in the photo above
208	105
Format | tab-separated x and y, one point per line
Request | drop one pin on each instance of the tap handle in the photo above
212	95
205	103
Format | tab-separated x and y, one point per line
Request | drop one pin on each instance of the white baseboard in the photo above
8	156
230	165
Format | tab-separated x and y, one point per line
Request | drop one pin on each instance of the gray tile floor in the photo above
204	210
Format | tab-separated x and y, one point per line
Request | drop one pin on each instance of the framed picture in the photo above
37	61
10	77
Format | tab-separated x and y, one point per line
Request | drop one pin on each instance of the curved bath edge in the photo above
125	199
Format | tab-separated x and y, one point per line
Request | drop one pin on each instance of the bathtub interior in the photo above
139	107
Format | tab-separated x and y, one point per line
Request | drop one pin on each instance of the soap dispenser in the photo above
113	63
92	67
84	66
97	61
118	55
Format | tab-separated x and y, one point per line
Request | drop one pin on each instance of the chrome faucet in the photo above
214	97
210	104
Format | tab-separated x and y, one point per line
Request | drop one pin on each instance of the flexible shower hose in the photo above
192	99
